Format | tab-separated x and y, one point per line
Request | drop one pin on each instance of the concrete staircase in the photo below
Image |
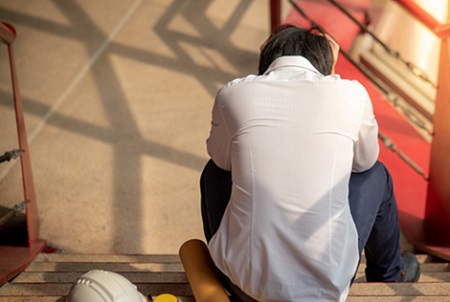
50	276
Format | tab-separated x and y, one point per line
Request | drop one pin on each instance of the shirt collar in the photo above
292	61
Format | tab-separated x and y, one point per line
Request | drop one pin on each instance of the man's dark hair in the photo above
290	40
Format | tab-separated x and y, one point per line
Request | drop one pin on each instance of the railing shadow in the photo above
122	132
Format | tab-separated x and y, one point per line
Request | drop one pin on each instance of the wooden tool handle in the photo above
201	273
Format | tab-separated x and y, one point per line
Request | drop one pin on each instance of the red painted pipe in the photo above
275	14
7	33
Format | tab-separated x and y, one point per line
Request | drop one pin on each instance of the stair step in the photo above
50	276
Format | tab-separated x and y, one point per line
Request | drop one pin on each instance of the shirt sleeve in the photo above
366	148
218	143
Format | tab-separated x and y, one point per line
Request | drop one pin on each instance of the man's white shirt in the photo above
291	139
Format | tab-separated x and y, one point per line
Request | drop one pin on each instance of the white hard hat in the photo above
104	286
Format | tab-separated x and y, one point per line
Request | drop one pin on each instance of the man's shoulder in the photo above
246	79
337	78
235	86
347	84
352	87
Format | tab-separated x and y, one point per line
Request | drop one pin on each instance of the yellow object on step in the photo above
165	298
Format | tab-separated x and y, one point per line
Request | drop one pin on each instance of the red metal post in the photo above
441	30
8	36
27	174
14	259
275	14
437	214
422	15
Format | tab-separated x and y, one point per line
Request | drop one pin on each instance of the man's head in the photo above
290	40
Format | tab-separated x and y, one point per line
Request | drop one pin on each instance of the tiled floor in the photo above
117	97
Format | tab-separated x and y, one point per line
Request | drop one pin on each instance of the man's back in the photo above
289	139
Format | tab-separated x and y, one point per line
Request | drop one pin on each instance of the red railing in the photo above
14	259
437	212
436	222
441	30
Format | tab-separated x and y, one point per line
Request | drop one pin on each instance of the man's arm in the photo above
218	143
366	149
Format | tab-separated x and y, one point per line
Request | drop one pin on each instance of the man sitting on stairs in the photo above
293	192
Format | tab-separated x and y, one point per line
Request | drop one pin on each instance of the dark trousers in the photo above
372	204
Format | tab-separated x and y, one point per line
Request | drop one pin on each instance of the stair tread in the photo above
60	257
50	276
168	258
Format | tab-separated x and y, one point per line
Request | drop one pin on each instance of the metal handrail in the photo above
8	36
439	29
343	52
385	139
417	71
443	31
414	69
